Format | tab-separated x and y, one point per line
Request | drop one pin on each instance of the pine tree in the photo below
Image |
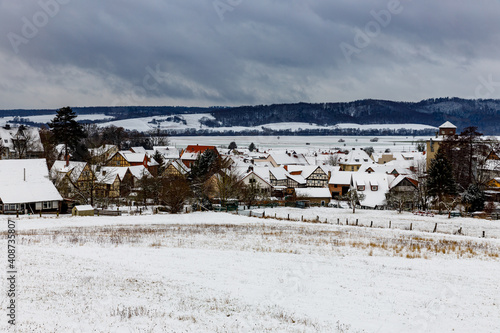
66	129
440	181
473	198
251	147
232	145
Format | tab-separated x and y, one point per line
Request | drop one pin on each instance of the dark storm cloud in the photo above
243	52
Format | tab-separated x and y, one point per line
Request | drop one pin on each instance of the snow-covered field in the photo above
218	272
300	142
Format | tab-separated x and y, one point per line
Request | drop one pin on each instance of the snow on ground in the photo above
394	143
218	272
193	122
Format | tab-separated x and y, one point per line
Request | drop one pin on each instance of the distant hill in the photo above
485	114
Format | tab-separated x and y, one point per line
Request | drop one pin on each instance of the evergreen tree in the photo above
66	129
232	145
440	181
205	166
473	198
251	147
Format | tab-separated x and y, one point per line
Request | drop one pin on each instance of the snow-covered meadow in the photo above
219	272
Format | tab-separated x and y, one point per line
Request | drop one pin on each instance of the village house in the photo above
314	175
318	196
252	178
354	160
403	192
445	130
175	168
20	142
102	154
374	187
26	187
72	178
191	153
339	183
127	158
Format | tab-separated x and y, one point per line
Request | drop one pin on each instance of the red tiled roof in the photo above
198	149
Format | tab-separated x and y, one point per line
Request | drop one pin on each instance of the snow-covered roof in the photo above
279	173
133	157
355	157
399	179
26	181
340	178
313	192
7	134
447	125
74	168
82	208
373	198
167	151
298	178
107	175
139	171
290	158
138	150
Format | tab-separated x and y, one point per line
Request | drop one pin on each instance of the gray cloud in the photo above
180	52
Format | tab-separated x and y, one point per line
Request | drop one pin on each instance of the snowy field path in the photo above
217	272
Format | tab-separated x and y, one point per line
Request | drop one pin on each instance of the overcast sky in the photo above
55	53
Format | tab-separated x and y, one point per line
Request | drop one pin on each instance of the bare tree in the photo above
332	160
228	185
24	142
354	198
175	193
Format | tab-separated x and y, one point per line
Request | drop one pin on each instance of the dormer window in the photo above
360	187
374	188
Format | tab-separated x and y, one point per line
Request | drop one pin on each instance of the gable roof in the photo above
447	125
196	149
133	157
26	181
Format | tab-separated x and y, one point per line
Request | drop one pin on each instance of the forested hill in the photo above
485	114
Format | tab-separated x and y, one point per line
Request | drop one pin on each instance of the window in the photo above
374	187
46	205
361	187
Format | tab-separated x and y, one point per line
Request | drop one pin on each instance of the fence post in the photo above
346	221
288	218
411	226
435	227
371	224
356	222
389	224
250	214
484	234
302	218
338	220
